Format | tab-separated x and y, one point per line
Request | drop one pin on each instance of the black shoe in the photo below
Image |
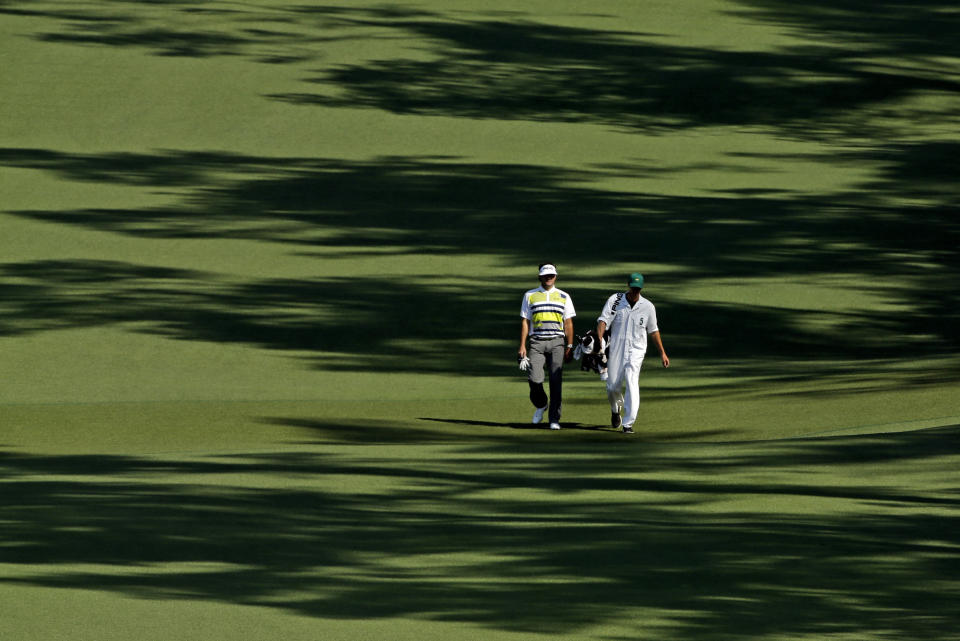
628	430
615	420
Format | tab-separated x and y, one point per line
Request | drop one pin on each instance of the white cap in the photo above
548	269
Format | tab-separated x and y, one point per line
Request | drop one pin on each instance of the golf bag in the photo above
592	352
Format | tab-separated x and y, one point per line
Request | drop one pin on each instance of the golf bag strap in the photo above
616	304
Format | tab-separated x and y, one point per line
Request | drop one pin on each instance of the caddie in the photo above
631	319
547	321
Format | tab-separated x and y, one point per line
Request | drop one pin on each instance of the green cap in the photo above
636	280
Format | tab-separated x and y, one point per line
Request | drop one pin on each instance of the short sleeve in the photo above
652	320
606	314
525	308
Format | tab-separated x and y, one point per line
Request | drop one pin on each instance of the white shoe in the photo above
538	415
554	426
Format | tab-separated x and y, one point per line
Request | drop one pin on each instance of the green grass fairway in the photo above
260	275
348	530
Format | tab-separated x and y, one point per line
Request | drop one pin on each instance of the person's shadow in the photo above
515	426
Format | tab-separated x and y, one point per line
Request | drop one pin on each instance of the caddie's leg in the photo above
555	363
631	398
615	390
615	396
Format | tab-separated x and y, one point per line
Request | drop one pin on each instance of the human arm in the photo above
525	320
655	337
568	313
524	332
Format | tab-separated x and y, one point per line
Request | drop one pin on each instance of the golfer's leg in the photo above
537	395
555	362
535	377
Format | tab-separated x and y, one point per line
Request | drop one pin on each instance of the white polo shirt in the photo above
629	327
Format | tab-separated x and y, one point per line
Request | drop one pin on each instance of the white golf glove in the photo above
524	363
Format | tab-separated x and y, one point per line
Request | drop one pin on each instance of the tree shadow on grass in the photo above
175	29
443	205
496	68
448	208
473	65
521	69
924	29
336	324
514	536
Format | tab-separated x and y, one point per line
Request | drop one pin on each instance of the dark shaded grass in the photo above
517	67
503	534
528	548
521	69
435	206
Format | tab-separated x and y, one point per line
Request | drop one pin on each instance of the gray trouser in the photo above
547	352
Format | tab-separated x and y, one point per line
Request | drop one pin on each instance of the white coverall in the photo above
629	327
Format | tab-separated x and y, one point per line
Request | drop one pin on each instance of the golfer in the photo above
547	321
631	319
